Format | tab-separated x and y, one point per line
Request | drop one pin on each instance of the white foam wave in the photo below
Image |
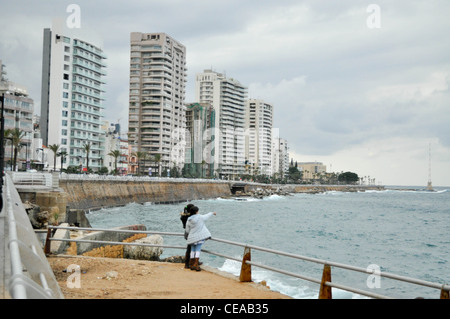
275	284
294	288
273	197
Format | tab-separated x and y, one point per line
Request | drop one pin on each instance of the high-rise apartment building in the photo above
73	76
200	121
227	96
280	157
258	146
157	120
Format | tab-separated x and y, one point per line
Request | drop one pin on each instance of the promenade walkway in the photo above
114	278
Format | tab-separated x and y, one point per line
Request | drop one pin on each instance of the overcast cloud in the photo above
368	100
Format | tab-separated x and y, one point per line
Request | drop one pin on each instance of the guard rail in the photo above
245	275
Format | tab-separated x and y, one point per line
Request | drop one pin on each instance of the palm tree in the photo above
203	168
115	154
63	155
157	159
16	138
8	135
140	155
144	158
54	149
87	149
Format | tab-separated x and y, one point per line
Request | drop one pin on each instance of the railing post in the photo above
445	294
47	242
325	291
246	269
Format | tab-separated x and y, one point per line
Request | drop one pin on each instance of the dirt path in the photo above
107	278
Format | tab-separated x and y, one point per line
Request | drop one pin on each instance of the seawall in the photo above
87	194
95	194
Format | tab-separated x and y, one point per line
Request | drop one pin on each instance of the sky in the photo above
360	86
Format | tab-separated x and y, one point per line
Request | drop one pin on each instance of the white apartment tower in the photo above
157	119
280	156
227	96
258	146
73	72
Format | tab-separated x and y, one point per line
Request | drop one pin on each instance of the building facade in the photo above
200	121
280	157
115	142
73	78
258	146
312	170
18	114
227	96
157	120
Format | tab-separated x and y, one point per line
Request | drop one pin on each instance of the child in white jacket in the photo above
197	233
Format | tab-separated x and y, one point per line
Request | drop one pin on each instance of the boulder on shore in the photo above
261	192
38	219
144	252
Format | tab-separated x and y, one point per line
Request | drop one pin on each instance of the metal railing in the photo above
325	282
31	179
31	275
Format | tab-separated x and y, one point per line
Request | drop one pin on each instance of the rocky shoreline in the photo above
286	190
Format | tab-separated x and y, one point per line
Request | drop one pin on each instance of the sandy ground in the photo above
107	278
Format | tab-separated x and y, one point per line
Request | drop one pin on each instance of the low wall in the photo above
94	194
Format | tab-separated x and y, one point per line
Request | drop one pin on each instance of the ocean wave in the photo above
297	292
250	199
292	288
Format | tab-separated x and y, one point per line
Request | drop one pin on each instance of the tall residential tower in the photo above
258	146
227	96
73	72
157	119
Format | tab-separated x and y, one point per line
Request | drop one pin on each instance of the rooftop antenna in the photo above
429	186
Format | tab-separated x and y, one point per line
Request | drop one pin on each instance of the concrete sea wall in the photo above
94	194
87	194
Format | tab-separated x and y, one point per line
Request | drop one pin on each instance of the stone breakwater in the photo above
95	194
284	190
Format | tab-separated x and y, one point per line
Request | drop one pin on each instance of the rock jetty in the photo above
285	190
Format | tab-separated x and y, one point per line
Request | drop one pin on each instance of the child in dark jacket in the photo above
185	214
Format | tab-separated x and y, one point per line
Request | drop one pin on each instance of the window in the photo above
66	76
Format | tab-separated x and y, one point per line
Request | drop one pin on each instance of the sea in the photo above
399	230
